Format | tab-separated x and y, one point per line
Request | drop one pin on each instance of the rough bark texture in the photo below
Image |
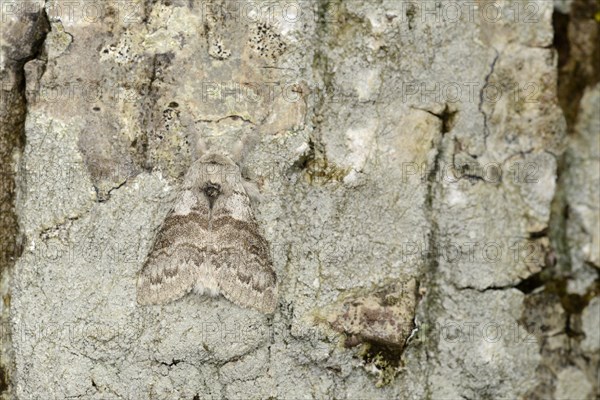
429	178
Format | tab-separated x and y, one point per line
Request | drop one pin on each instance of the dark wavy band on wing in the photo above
190	228
170	273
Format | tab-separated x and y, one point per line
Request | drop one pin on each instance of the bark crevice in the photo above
13	113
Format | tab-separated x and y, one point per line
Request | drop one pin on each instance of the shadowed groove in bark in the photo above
577	70
572	82
13	112
431	256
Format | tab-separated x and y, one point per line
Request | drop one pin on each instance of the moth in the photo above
210	243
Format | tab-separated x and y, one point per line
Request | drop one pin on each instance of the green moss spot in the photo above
385	360
317	169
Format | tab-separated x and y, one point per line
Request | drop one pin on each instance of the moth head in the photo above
211	190
212	176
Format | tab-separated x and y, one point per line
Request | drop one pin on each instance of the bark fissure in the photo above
13	113
486	129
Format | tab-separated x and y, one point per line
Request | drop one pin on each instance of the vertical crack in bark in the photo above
446	124
431	260
322	67
486	130
13	112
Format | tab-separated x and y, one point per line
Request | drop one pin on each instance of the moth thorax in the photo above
212	190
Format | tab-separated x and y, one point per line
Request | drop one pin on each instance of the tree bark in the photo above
428	176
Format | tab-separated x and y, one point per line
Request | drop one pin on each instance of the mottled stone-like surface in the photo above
392	143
